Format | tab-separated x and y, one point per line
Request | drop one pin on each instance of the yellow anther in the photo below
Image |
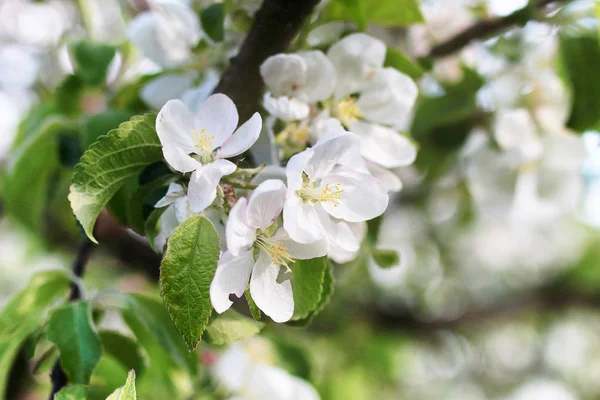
276	250
347	111
203	141
310	192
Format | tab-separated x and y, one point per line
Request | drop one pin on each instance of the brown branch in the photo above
488	28
276	23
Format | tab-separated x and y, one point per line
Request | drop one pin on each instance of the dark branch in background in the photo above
58	376
489	27
276	23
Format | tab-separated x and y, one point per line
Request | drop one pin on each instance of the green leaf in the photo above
381	12
123	349
230	327
127	392
71	329
92	60
580	57
212	19
307	285
100	124
73	392
152	228
32	122
104	167
186	272
151	325
385	258
328	287
254	310
29	171
69	94
24	313
396	59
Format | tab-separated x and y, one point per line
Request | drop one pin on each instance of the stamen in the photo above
203	141
276	250
328	193
347	111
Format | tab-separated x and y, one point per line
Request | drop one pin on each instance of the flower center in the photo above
347	111
329	193
275	249
204	143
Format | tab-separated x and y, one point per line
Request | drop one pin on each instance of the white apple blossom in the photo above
201	142
243	372
257	252
324	192
166	33
515	131
296	80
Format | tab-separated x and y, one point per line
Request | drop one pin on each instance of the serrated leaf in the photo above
381	12
29	171
123	349
73	392
186	272
24	313
71	329
92	60
385	258
580	57
212	19
326	293
307	285
396	59
254	310
230	327
127	392
104	167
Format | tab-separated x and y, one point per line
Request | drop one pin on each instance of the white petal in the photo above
166	87
340	254
284	74
266	203
339	233
240	235
264	150
355	58
273	298
301	221
302	390
166	224
231	277
384	146
177	30
320	77
242	139
219	117
390	180
142	33
389	97
301	251
174	192
182	209
233	367
174	124
327	153
202	190
285	108
363	197
266	382
294	169
195	96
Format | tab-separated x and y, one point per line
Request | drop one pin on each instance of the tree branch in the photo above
275	25
58	376
490	27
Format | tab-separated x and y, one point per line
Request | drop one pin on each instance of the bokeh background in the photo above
497	292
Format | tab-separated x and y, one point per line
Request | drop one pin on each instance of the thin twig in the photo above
58	376
487	28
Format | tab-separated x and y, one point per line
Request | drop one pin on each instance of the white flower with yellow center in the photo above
167	33
328	186
201	142
385	95
259	252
